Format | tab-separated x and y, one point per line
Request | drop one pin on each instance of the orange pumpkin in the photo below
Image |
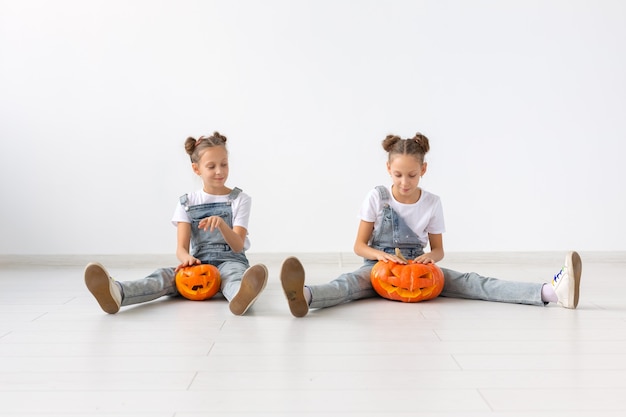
198	282
408	283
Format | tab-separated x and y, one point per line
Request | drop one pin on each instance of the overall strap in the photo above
234	194
384	193
184	201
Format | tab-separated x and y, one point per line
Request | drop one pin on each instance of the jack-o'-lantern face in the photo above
198	282
408	283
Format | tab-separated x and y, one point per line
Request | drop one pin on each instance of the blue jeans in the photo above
357	285
162	282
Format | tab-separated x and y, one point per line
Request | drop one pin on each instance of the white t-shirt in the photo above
240	207
423	217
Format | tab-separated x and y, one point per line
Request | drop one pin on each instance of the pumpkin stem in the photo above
399	255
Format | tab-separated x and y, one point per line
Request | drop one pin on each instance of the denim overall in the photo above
209	247
393	233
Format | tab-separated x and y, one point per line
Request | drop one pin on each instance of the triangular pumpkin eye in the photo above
409	283
198	282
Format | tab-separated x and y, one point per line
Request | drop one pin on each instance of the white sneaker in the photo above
103	288
566	282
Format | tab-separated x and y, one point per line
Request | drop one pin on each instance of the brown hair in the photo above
417	146
195	147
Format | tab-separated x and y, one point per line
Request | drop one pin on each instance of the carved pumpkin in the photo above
198	282
408	283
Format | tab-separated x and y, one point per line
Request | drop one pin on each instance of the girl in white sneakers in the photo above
212	228
407	217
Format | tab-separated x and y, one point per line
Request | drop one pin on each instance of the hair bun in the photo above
219	136
190	145
422	141
390	141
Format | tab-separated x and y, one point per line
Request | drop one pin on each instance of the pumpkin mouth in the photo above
419	292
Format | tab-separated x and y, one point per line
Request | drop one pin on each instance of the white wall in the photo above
524	103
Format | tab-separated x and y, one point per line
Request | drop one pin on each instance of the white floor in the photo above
60	355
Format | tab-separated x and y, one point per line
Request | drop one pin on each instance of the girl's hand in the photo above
211	223
386	257
187	261
424	259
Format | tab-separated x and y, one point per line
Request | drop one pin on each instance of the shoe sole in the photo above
575	264
292	280
99	284
253	282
